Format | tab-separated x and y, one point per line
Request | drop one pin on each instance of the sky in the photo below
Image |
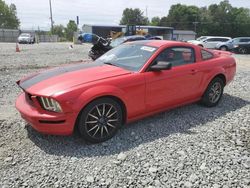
35	13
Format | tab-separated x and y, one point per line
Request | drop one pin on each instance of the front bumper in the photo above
23	41
43	121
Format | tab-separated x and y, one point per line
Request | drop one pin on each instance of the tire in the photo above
200	45
242	50
223	48
100	120
213	93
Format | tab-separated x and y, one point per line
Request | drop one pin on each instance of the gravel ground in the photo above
191	146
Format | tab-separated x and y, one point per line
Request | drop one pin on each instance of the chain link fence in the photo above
11	35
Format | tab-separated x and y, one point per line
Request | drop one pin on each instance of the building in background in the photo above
183	35
104	30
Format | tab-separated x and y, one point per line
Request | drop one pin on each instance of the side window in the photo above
244	40
223	39
212	40
177	56
209	40
206	55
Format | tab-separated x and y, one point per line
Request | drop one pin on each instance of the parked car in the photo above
26	38
229	45
120	40
129	82
241	48
209	41
101	45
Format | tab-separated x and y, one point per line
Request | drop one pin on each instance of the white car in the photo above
209	41
26	38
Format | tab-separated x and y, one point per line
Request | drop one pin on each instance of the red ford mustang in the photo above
129	82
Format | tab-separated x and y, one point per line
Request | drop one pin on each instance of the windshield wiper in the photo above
108	63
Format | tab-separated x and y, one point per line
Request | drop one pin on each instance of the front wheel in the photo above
213	92
223	48
100	120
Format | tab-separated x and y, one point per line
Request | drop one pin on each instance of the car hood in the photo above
55	80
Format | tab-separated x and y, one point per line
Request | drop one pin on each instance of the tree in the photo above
182	17
70	29
133	17
155	21
223	19
58	30
8	16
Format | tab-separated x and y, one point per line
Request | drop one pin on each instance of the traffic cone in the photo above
17	48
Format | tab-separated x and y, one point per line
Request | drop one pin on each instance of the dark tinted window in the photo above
223	40
245	40
217	40
211	40
206	55
177	56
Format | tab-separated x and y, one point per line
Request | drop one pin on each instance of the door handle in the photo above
194	71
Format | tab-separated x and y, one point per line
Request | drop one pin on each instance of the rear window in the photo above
206	55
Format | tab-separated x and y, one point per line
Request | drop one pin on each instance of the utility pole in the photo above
195	24
51	17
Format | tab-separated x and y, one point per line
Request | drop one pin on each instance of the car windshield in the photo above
117	42
25	35
128	56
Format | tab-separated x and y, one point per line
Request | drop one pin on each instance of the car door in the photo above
175	86
210	43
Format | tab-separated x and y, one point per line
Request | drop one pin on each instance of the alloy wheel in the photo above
101	121
215	92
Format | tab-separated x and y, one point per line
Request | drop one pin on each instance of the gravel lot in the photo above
191	146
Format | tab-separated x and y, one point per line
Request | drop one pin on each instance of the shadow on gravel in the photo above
179	120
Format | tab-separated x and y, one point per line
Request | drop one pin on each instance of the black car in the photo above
120	40
101	45
242	48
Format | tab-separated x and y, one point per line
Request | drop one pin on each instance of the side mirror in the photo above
161	65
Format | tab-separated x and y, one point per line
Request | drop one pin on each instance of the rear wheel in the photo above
100	120
213	92
243	50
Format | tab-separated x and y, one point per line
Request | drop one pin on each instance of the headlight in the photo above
50	104
236	46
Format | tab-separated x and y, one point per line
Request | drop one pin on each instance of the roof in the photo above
100	25
184	32
124	26
153	27
159	43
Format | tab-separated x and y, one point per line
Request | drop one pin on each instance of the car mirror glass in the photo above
161	65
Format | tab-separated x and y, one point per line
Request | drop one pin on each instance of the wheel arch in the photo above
219	75
92	94
224	46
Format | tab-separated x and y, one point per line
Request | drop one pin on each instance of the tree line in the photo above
217	19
